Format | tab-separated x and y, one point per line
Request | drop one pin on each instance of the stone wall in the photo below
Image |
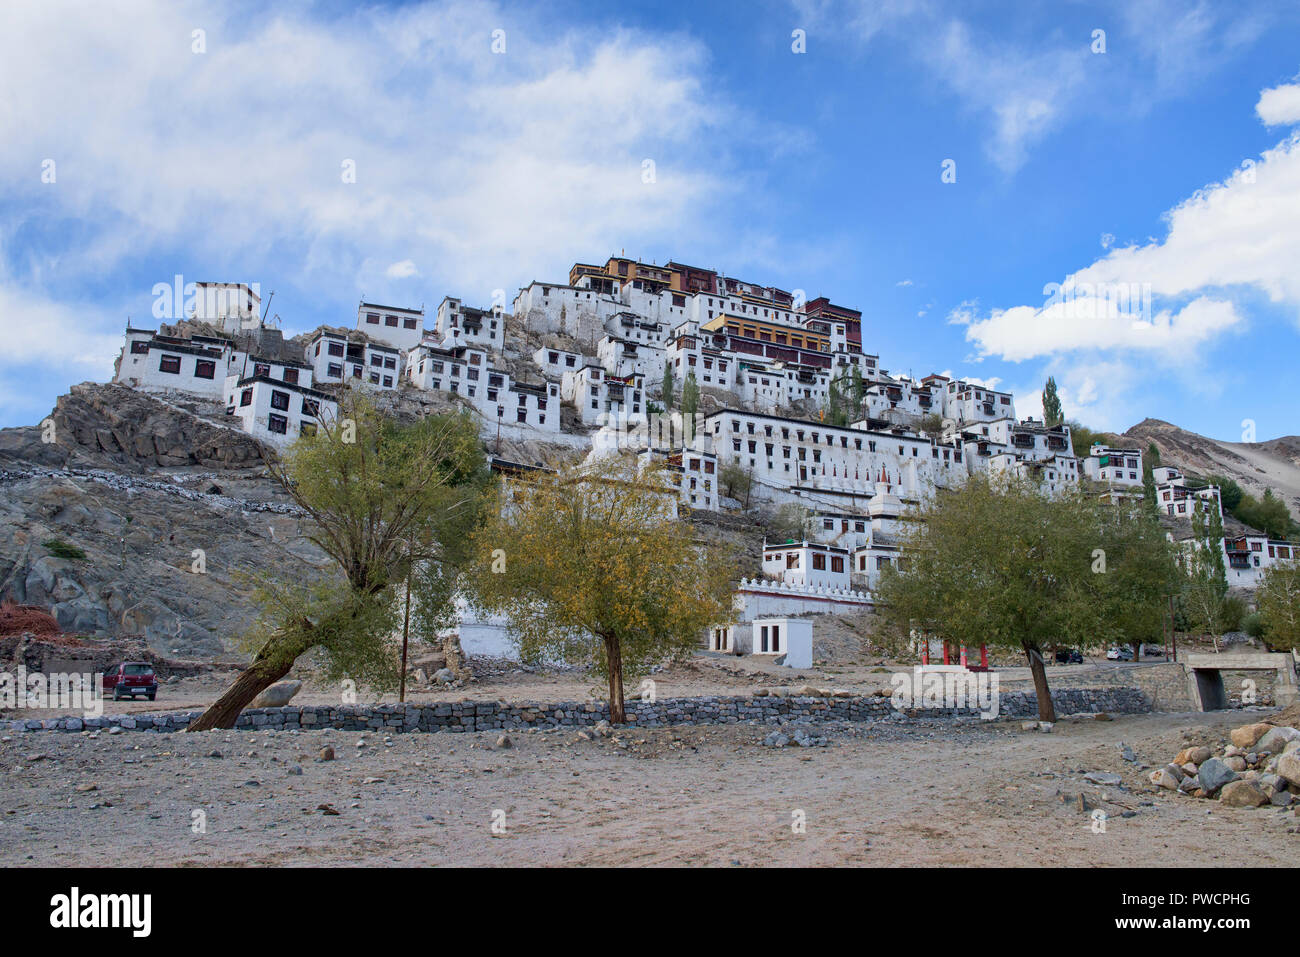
495	715
1166	685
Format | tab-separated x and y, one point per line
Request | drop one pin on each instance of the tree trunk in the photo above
226	709
1046	710
614	665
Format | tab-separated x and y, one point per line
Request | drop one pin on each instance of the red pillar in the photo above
963	656
984	656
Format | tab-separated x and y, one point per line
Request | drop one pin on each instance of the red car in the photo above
130	679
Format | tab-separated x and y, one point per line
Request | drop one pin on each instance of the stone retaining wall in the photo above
497	715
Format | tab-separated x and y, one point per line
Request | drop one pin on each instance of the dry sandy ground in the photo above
877	794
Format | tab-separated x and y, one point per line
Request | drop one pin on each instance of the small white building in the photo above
197	366
791	637
1175	497
458	324
807	564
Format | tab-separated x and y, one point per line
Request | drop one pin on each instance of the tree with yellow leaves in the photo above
592	565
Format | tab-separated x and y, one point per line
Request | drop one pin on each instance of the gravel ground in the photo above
877	794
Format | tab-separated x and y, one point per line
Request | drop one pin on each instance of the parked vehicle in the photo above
1120	654
1069	656
131	678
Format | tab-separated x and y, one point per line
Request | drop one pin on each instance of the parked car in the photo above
1069	656
131	678
1120	654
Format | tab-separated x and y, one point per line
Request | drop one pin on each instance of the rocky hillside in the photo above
1255	466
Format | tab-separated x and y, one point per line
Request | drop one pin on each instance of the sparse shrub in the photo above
61	549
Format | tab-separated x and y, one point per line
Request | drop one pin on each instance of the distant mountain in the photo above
1255	466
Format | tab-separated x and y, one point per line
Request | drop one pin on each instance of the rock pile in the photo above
1261	766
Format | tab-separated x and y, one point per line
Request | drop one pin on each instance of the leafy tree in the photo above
667	388
377	495
1052	412
690	395
1150	462
790	523
1205	584
932	425
857	389
1269	514
835	412
1278	599
736	480
1082	439
997	562
598	569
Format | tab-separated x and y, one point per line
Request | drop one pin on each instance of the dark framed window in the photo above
291	376
522	415
390	321
280	400
140	348
372	318
246	397
170	364
205	369
408	323
335	370
278	424
336	349
310	407
307	428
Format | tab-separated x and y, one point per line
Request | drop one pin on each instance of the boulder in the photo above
1247	735
1288	768
1214	774
1236	762
278	695
1194	754
1241	794
1275	740
1103	778
444	676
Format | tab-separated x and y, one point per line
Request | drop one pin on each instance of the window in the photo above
521	415
280	400
335	371
376	360
335	349
819	563
291	376
374	378
408	323
372	318
837	563
261	368
205	369
246	397
390	321
310	407
140	347
307	428
171	364
390	362
278	424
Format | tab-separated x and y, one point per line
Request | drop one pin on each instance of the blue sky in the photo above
1165	163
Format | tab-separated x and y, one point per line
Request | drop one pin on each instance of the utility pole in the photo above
501	411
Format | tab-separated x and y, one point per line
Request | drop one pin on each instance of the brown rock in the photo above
1248	734
1242	794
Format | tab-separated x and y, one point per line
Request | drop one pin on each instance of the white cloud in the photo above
486	166
403	270
1279	106
903	282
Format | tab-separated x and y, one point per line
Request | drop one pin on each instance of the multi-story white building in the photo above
402	329
230	306
275	410
196	366
458	324
1115	467
1249	556
1175	497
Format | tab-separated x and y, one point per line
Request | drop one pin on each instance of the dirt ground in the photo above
882	794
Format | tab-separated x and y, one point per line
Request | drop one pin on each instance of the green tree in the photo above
1278	599
1052	412
1269	514
857	389
375	494
667	387
998	563
1150	462
1082	439
1205	582
594	567
690	395
736	480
